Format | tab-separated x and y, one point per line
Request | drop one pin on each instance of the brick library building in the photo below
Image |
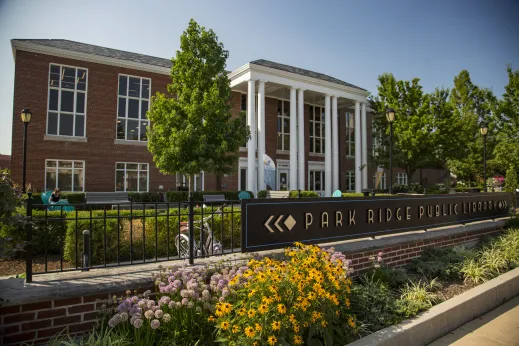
309	131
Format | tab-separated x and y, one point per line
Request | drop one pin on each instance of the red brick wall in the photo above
39	321
99	153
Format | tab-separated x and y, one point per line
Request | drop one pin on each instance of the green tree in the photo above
506	151
472	106
413	129
194	131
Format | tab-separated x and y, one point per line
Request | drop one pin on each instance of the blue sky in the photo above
351	40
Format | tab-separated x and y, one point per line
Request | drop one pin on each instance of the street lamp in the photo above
25	116
390	115
484	131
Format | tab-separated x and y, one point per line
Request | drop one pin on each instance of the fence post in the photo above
191	231
86	251
28	239
298	193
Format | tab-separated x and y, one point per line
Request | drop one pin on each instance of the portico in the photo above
306	107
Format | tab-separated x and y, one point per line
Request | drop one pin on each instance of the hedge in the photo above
198	196
144	231
292	194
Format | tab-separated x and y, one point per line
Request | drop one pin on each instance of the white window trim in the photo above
401	178
350	180
314	166
349	139
133	170
49	88
282	134
57	173
321	137
127	98
185	181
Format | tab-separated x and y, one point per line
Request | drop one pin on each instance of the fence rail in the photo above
65	237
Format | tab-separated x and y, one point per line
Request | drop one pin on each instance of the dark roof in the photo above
302	72
101	51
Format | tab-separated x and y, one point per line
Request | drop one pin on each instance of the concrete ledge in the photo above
443	318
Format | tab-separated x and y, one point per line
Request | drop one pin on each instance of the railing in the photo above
100	236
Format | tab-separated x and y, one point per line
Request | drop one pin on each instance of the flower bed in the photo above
307	297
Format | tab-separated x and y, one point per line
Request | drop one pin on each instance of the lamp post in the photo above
390	115
484	131
25	116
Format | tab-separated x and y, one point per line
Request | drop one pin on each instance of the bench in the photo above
278	194
214	199
107	198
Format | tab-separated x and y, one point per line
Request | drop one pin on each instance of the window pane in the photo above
81	79
80	103
121	109
286	125
65	179
135	87
80	126
323	146
312	145
119	180
144	109
50	176
279	124
311	182
55	73
78	164
132	130
131	181
68	78
287	142
311	110
286	108
143	167
123	85
243	102
51	163
120	166
143	181
311	129
317	129
65	164
145	89
78	180
66	122
52	125
280	141
317	145
352	148
143	132
53	100
133	166
67	101
243	179
198	182
121	128
133	108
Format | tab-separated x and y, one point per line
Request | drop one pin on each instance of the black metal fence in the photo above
64	237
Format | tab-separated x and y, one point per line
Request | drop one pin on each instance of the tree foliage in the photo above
192	129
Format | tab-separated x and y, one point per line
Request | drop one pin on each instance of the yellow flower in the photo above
211	318
235	329
305	324
225	325
312	295
276	325
249	332
272	340
219	312
242	312
292	318
298	340
324	323
263	308
258	327
251	313
347	302
251	293
295	327
351	322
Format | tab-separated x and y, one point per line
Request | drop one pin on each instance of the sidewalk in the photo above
498	327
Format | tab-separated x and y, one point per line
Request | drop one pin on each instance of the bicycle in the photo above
211	245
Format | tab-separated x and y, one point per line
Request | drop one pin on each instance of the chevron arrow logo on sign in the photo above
289	223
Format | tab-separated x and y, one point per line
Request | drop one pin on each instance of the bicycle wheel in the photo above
182	244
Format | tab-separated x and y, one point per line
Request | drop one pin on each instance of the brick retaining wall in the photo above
39	321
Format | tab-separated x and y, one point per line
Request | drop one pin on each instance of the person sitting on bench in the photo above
55	197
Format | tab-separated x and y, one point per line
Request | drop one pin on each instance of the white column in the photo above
301	163
251	146
335	146
327	148
261	134
293	140
358	158
364	147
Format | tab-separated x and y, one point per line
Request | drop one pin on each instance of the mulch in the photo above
16	266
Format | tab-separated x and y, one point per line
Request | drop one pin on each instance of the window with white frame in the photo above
243	179
131	176
283	125
382	183
132	104
350	135
67	101
317	130
198	183
401	178
316	181
350	181
67	175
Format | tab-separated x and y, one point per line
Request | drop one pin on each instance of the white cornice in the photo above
70	54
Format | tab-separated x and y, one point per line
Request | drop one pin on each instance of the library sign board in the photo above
277	223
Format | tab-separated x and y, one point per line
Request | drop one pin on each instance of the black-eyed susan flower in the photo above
272	340
276	325
249	332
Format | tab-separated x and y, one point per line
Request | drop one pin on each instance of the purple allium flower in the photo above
159	314
135	299
185	301
137	323
155	324
124	316
149	314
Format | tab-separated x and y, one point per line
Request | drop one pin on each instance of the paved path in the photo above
498	327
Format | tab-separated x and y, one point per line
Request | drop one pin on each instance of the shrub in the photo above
301	300
144	197
474	271
352	194
439	262
392	277
262	194
198	196
400	188
304	194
